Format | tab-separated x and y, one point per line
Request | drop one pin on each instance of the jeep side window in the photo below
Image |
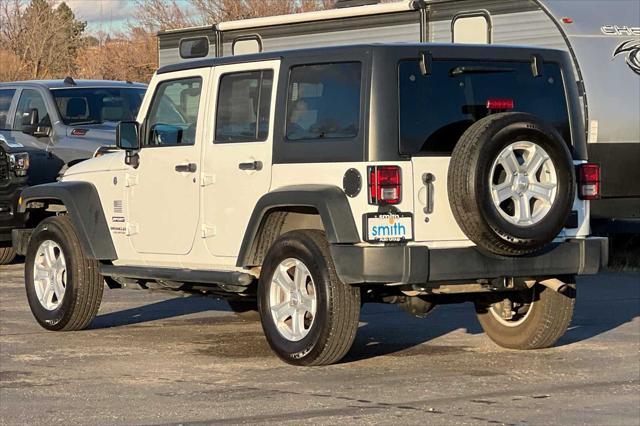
323	101
173	116
243	106
6	95
29	100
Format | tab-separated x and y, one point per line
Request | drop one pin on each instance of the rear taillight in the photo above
589	181
500	104
385	185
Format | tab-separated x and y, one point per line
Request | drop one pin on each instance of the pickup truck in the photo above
46	126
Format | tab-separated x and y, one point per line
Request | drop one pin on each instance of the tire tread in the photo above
7	254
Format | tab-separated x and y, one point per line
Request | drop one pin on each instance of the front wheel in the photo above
64	288
529	319
308	315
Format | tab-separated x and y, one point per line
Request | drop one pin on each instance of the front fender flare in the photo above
84	208
330	202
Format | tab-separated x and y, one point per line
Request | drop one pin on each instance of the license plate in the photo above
381	227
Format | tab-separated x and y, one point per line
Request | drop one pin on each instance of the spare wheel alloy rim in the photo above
50	275
523	183
292	299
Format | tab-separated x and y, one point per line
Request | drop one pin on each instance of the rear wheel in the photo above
64	288
530	319
308	315
7	254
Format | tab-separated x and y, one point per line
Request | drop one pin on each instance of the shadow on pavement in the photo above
604	302
170	308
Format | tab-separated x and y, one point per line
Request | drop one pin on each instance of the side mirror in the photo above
128	138
42	132
30	122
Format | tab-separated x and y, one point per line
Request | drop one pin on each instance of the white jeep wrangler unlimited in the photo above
307	182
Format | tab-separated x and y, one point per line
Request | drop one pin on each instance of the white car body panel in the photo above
162	218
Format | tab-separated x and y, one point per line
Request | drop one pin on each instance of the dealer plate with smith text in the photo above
388	227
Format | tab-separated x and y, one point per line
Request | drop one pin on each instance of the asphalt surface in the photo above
157	358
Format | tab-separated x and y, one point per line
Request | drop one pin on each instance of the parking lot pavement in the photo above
155	358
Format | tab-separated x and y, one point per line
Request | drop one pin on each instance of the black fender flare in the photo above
84	208
330	201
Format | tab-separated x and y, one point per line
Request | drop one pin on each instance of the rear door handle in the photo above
253	165
427	180
186	168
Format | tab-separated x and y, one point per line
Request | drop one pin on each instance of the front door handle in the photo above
186	168
253	165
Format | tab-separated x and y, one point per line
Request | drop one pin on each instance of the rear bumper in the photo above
418	265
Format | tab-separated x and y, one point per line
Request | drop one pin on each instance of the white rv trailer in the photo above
603	37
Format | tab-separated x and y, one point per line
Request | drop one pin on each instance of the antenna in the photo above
69	81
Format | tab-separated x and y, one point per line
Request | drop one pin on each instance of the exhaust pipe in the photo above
555	285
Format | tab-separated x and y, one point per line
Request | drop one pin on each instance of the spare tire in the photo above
511	183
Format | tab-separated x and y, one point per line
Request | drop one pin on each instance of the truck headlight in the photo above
19	163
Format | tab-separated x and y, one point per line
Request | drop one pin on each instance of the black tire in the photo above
84	284
334	327
7	254
549	317
469	184
245	309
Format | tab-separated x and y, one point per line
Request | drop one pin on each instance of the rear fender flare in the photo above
330	202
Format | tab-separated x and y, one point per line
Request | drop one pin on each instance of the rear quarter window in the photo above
324	101
436	109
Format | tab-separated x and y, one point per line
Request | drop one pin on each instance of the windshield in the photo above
98	105
436	109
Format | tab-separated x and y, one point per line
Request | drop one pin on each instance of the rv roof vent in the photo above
351	3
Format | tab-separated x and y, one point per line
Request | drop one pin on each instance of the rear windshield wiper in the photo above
477	70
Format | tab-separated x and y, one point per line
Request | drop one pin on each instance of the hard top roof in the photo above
60	84
316	54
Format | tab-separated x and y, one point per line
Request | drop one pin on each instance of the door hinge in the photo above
206	179
208	231
131	229
130	180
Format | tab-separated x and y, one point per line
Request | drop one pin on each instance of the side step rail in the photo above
234	278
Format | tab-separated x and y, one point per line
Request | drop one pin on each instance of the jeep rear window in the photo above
324	101
436	109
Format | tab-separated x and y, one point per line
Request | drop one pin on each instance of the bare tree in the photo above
213	11
156	15
42	35
42	38
132	56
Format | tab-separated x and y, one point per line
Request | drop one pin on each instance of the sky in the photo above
102	15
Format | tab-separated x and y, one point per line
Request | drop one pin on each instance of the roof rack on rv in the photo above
344	12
